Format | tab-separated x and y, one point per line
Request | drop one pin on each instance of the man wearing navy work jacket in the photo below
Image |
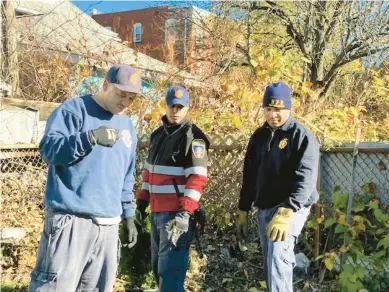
279	176
89	144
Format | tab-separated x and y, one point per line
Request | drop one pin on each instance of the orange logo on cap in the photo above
134	78
179	93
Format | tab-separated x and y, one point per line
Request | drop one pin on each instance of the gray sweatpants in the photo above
279	258
75	254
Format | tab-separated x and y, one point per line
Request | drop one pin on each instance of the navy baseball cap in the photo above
125	78
277	95
177	95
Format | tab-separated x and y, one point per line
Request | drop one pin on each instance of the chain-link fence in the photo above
371	172
23	177
369	178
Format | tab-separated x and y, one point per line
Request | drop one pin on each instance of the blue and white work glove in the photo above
178	226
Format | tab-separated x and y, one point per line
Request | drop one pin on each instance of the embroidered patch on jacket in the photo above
198	148
283	143
127	138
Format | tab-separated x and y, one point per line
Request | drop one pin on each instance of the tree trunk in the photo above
9	58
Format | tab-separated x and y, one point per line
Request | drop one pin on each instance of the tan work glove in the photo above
241	228
132	232
278	228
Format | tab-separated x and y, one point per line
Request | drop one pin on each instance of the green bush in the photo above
135	263
359	250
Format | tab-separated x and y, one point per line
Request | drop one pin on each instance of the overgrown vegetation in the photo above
333	55
359	250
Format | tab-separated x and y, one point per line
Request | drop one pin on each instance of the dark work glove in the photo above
242	228
103	136
140	212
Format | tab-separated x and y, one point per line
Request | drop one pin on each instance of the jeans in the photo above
169	262
279	259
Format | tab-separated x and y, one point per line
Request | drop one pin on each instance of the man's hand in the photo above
103	136
241	228
140	212
132	232
178	226
278	228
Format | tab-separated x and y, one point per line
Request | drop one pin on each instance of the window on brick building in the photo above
170	30
138	33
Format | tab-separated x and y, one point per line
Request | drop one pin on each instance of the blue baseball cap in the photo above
125	78
277	95
177	95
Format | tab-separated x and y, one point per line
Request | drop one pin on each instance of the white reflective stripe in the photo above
168	170
196	170
170	189
147	166
162	169
145	186
195	195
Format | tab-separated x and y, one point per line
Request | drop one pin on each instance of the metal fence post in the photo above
353	165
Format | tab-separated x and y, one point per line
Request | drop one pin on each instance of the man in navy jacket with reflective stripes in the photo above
279	176
174	177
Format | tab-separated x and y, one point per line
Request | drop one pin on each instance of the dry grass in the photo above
21	202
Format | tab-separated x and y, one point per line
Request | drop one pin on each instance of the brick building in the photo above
172	35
